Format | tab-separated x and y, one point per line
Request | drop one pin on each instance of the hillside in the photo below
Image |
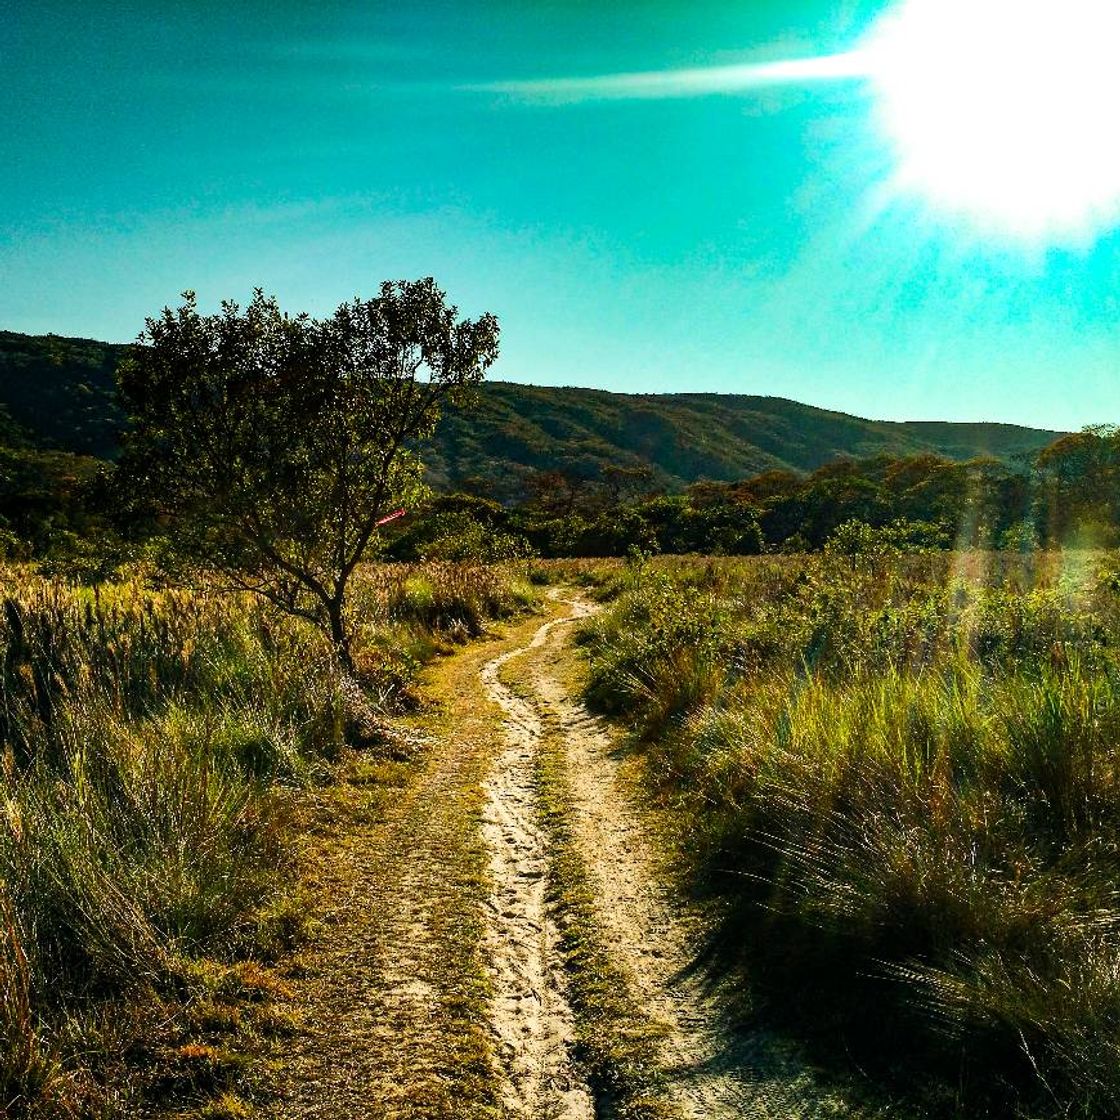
685	436
60	390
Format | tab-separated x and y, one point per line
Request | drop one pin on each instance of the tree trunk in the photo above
339	636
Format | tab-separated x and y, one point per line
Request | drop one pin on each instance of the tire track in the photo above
712	1072
370	1042
532	1018
388	1017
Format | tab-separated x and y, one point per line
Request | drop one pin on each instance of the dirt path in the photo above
392	996
711	1071
436	989
532	1018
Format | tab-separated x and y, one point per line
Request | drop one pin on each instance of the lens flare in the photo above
1004	111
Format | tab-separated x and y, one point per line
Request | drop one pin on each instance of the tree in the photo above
1079	481
625	485
272	445
562	491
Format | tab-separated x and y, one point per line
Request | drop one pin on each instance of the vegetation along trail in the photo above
442	983
701	1066
391	997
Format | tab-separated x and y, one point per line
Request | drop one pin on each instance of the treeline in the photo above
65	509
1065	495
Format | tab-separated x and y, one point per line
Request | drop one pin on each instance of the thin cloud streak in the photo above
694	82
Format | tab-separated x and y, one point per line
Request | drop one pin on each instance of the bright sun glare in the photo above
1005	111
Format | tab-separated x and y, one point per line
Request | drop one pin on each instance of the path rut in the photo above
713	1071
386	997
532	1019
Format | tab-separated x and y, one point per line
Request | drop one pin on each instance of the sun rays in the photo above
690	82
995	112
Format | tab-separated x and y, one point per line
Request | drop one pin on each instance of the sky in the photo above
677	232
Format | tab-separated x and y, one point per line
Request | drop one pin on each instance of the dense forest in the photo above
1063	495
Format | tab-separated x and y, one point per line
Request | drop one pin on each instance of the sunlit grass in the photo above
906	769
151	743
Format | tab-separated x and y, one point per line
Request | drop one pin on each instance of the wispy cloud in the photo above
693	82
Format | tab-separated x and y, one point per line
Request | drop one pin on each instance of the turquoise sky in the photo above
730	242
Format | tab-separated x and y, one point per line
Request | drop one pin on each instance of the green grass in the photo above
904	777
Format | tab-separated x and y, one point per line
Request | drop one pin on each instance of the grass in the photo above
903	776
152	745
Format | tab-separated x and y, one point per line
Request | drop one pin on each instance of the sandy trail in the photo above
531	1016
423	915
386	994
712	1071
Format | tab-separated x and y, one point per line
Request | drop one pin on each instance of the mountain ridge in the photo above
60	391
684	437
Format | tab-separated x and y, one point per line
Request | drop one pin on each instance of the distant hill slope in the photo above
60	390
686	436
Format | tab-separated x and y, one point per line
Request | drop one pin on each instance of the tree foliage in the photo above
273	444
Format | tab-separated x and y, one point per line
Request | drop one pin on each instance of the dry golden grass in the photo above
154	745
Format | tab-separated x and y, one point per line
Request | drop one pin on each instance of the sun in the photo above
1005	112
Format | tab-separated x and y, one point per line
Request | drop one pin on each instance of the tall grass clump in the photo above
151	744
903	780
